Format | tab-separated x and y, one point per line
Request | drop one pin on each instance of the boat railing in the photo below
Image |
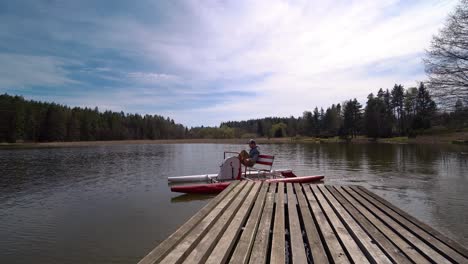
229	152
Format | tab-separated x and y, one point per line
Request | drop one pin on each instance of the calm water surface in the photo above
112	204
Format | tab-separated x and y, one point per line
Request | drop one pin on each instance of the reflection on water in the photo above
112	203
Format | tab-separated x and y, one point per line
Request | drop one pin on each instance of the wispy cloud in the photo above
153	78
202	63
21	71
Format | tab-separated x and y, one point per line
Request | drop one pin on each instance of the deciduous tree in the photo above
447	58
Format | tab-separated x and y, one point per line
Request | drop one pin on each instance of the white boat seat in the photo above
264	160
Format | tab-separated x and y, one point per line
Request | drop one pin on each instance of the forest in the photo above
388	113
399	112
32	121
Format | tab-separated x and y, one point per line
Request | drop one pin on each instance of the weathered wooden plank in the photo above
190	241
388	248
366	243
316	247
332	244
227	241
278	245
351	246
244	246
341	224
260	249
298	253
162	249
201	252
416	242
453	244
437	245
404	246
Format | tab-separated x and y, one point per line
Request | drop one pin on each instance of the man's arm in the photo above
254	155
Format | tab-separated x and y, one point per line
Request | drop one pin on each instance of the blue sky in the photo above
204	62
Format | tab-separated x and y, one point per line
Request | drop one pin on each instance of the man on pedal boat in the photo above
249	159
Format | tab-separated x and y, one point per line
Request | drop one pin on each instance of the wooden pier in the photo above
254	222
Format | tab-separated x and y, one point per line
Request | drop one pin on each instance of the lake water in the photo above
112	204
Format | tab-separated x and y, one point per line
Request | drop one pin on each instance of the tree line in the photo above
388	113
396	112
23	120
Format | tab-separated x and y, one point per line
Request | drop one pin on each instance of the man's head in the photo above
252	143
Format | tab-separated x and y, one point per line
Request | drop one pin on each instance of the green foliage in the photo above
352	118
332	121
8	118
425	109
212	132
278	130
37	121
397	105
397	113
308	123
378	115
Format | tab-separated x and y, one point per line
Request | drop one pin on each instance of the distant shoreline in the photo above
448	138
145	141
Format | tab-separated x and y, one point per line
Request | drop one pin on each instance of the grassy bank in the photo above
436	138
159	141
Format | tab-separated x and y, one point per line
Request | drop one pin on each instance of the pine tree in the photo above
352	118
397	99
425	108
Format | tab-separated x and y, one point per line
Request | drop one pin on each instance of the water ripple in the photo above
97	199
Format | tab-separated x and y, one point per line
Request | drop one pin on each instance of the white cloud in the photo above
319	54
153	78
24	70
289	97
307	54
274	36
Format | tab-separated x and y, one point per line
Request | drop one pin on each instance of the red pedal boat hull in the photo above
211	188
201	188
